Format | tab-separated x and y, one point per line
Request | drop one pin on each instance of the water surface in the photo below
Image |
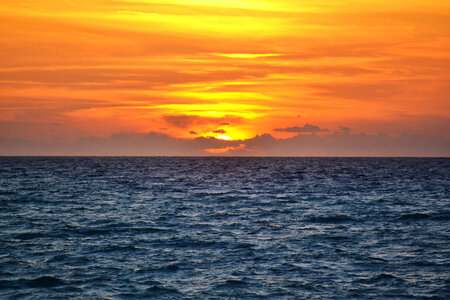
217	228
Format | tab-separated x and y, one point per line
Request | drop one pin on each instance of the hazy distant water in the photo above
197	228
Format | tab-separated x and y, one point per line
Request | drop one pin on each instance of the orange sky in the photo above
235	68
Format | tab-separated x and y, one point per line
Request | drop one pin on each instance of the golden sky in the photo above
228	69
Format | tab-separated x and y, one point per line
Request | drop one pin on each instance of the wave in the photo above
441	216
40	282
330	219
382	278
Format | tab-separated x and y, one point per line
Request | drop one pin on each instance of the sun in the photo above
223	137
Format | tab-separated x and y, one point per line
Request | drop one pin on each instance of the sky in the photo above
236	77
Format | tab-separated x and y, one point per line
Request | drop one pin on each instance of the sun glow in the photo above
216	110
247	55
223	137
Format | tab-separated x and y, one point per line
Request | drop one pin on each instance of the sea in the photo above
224	228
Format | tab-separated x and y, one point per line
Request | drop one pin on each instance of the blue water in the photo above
221	228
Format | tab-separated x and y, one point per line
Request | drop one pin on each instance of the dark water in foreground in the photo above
198	228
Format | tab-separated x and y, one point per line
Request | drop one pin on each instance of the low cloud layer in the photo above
338	143
307	128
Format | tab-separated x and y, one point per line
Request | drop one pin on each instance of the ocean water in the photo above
224	228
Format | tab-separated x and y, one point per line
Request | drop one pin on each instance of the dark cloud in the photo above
219	131
181	121
339	143
193	132
307	128
343	129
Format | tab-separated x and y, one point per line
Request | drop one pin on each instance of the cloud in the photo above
339	143
226	149
374	91
134	68
181	121
219	131
193	132
343	130
307	128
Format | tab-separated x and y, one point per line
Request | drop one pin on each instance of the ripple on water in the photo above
224	228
